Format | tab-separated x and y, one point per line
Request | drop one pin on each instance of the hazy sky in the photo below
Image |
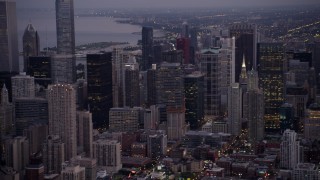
167	3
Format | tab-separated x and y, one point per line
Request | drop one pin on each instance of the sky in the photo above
167	3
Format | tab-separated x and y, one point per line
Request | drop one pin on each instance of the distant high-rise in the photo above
132	88
124	119
22	87
73	172
194	97
117	77
185	30
39	67
17	153
235	109
100	88
9	53
147	48
53	155
209	63
6	113
271	80
62	116
151	87
184	45
84	132
245	36
156	145
63	68
31	44
65	27
312	122
290	154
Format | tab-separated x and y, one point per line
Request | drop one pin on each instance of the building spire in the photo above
243	75
4	95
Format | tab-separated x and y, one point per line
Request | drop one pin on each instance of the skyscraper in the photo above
117	77
210	67
31	44
132	88
53	155
124	119
65	27
245	36
73	172
147	48
235	109
62	116
100	88
84	132
63	68
9	53
184	45
289	150
22	87
312	122
39	67
271	79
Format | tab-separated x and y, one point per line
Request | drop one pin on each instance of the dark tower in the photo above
147	48
31	45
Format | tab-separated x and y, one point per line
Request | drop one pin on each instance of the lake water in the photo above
87	29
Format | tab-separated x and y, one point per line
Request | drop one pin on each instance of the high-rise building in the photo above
37	135
84	132
73	172
271	80
39	67
53	155
62	116
169	86
290	154
172	56
35	172
147	48
209	64
100	88
90	164
9	53
108	154
17	153
132	88
287	119
184	45
124	119
176	125
151	87
246	41
65	27
6	113
312	122
185	30
22	87
156	145
117	77
31	44
253	107
305	171
30	111
63	68
235	109
194	98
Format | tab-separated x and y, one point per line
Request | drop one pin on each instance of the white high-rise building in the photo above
23	86
108	154
62	116
234	109
289	150
117	77
210	66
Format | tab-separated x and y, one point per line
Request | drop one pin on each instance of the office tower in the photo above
271	63
151	86
172	56
90	166
312	122
253	107
39	67
289	150
62	116
35	172
305	171
209	64
17	153
287	119
300	70
149	120
9	52
36	135
117	77
124	119
194	98
316	62
243	75
246	41
108	154
31	44
73	172
53	154
147	48
84	132
65	27
185	30
169	86
184	45
30	111
63	68
100	88
176	126
6	113
22	87
156	145
82	94
235	109
132	88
